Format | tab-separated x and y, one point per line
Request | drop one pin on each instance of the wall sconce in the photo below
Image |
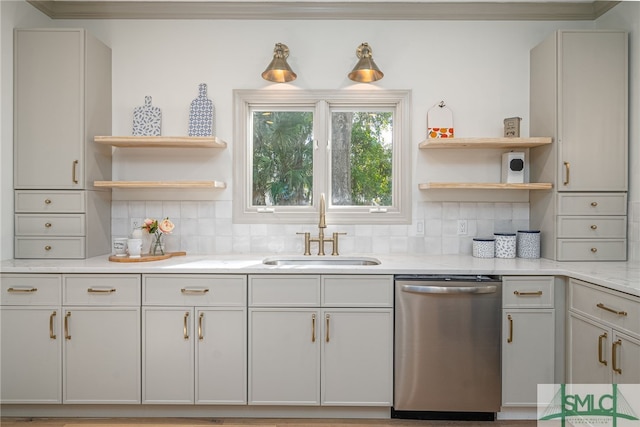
278	70
365	71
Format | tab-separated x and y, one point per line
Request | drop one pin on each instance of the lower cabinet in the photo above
194	339
304	352
528	336
604	335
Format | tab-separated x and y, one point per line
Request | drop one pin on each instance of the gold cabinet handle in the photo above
510	339
594	204
200	318
326	336
47	248
185	326
22	290
47	201
611	310
67	336
47	225
74	171
567	167
600	339
52	334
594	250
527	294
594	227
614	358
193	291
313	328
101	291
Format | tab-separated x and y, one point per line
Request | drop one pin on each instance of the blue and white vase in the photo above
201	114
147	119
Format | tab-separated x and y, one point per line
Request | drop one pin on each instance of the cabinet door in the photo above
593	111
284	356
527	354
31	355
589	351
48	109
168	355
625	359
357	357
221	357
101	355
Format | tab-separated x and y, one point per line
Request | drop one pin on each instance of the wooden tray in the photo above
145	258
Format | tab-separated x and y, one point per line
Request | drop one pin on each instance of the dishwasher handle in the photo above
431	289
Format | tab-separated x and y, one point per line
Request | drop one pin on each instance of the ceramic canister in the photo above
484	247
528	243
505	245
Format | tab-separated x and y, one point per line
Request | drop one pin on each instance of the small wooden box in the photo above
512	127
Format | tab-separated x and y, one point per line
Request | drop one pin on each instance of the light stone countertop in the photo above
620	276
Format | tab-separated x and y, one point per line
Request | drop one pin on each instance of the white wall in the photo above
481	70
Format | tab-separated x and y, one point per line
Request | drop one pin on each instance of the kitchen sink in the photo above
328	260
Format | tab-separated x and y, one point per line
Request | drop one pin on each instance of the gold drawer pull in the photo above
510	339
614	359
52	334
193	291
594	250
594	227
47	225
47	248
600	339
21	291
47	201
594	204
67	336
313	328
611	310
200	319
74	172
185	328
527	294
567	167
327	317
101	291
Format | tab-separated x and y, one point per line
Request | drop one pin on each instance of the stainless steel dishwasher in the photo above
447	347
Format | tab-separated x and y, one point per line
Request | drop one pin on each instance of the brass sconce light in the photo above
278	70
365	71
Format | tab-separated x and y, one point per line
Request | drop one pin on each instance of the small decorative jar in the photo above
484	247
528	243
505	245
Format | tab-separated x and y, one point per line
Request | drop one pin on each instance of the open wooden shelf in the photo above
485	142
485	186
161	141
160	184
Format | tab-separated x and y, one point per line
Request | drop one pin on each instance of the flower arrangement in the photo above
158	229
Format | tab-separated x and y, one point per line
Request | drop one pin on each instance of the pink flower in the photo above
166	226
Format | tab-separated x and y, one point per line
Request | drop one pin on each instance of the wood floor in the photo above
252	422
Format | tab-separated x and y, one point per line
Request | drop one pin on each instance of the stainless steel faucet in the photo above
321	240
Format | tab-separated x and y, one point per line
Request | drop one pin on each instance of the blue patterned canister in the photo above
528	243
201	114
505	245
484	247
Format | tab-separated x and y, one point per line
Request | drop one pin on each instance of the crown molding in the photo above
318	10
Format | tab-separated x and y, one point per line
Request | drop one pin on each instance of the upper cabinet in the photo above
579	90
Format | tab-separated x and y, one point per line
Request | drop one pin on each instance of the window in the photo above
292	146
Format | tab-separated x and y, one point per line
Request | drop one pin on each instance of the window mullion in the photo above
321	153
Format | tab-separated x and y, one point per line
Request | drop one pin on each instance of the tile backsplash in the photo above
206	227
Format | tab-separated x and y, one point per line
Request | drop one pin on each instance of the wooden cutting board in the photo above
145	258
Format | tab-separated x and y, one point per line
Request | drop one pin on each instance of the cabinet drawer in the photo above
284	290
604	305
592	204
194	290
31	289
527	292
612	227
49	201
49	247
357	291
50	225
592	249
101	289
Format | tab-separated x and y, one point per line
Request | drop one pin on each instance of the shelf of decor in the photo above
161	184
485	186
462	143
161	141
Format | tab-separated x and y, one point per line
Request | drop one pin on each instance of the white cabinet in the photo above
528	336
306	340
101	331
31	351
56	115
587	117
604	335
194	339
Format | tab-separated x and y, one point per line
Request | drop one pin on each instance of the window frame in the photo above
246	101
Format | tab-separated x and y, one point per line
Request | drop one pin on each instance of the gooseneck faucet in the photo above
321	240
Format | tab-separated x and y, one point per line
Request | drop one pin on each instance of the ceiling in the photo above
580	10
